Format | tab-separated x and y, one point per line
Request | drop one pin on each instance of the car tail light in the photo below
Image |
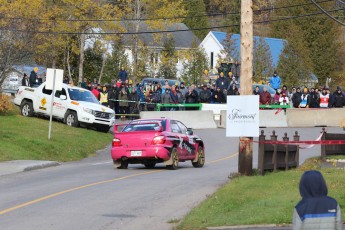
116	142
158	140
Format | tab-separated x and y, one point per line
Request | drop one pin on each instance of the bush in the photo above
6	105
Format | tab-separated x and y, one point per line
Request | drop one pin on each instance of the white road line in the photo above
102	163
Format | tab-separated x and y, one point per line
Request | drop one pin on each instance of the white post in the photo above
51	106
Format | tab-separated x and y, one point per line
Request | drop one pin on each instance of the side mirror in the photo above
189	131
63	97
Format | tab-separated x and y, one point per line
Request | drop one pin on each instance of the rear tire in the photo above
27	109
72	119
201	158
175	161
150	165
123	165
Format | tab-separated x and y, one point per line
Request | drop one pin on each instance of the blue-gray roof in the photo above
276	45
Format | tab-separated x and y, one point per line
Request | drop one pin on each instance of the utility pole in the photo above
245	158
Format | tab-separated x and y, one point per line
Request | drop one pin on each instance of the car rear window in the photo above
140	125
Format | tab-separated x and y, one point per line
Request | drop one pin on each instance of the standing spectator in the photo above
275	81
316	210
219	96
191	96
25	80
149	100
236	70
292	93
133	103
233	90
173	96
83	84
166	99
331	98
95	92
265	97
141	95
276	97
205	95
284	99
305	99
338	98
256	91
103	96
314	99
123	75
113	96
296	98
222	82
33	77
183	91
285	90
123	98
324	98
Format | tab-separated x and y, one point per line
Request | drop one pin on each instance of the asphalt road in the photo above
91	194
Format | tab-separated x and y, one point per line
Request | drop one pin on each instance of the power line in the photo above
162	18
170	31
327	13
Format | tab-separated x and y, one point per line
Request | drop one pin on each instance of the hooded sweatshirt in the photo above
316	210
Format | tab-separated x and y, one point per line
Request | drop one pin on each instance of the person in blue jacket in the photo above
275	81
316	210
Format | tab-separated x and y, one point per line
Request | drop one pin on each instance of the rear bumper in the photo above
147	153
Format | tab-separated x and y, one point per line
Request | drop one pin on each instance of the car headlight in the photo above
112	116
89	111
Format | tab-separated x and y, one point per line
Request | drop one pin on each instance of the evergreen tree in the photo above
93	61
229	53
319	34
195	65
263	67
167	67
196	8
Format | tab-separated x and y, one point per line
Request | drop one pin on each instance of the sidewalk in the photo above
10	167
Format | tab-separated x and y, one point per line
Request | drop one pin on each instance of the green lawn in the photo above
268	199
26	138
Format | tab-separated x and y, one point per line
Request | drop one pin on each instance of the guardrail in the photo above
198	106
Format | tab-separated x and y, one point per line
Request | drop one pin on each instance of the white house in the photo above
213	45
183	41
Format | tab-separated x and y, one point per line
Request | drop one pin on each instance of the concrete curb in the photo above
10	167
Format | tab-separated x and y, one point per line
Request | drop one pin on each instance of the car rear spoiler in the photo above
118	128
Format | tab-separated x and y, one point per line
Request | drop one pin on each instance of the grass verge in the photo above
268	199
26	138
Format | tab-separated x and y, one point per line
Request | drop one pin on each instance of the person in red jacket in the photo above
95	91
265	97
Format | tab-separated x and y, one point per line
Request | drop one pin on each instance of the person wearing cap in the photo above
275	81
314	99
183	91
296	98
205	95
218	96
324	98
305	99
33	81
338	98
25	80
222	82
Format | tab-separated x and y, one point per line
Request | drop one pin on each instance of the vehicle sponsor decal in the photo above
58	105
29	89
191	140
43	101
42	108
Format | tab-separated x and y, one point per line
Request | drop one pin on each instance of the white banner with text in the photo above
242	117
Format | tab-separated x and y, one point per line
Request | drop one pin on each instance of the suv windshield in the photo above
82	95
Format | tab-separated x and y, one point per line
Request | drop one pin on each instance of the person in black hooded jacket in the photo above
338	98
316	210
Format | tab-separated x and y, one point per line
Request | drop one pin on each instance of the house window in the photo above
211	60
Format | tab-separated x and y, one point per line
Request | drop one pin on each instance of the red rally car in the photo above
151	141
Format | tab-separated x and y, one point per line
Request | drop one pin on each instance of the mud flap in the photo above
117	163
